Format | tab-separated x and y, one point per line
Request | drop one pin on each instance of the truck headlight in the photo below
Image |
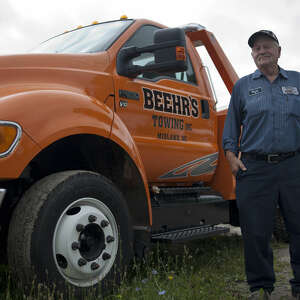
10	134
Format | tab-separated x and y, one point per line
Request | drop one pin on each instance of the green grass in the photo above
207	269
204	269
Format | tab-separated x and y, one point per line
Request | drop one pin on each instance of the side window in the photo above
144	37
188	75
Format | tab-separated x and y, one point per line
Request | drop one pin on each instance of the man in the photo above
261	140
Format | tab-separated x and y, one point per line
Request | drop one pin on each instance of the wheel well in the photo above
101	155
91	153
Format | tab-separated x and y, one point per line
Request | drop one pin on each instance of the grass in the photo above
210	269
204	269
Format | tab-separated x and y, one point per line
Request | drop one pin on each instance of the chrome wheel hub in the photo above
85	242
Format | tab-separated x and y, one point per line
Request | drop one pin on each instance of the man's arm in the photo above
232	131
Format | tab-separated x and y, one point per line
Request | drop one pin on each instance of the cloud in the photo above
7	14
26	24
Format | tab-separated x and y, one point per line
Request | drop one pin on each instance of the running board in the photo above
183	235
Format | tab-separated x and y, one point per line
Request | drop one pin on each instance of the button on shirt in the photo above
269	114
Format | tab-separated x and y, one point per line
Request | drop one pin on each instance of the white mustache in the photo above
264	56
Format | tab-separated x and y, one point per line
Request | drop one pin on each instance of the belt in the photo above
270	158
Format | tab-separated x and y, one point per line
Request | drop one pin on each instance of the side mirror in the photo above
175	53
169	50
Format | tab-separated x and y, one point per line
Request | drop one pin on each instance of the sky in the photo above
26	23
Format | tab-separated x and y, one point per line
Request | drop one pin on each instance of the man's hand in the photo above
234	162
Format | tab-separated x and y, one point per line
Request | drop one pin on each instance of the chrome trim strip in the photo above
17	138
2	194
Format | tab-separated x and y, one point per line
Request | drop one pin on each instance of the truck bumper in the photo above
2	194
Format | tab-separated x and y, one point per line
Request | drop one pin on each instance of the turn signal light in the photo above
9	135
180	53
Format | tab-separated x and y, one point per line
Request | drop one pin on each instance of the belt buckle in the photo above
270	160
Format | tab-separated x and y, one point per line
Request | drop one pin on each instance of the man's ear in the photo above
279	51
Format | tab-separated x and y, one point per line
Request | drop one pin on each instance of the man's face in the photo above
265	52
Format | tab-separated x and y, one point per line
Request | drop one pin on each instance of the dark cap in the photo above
267	33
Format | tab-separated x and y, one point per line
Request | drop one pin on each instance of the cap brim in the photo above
255	35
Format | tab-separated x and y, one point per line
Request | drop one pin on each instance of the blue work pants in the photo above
260	190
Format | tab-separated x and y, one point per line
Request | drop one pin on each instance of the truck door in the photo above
169	117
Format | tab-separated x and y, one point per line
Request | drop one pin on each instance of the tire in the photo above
280	232
71	231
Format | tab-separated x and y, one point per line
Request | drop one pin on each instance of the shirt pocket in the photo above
256	105
293	105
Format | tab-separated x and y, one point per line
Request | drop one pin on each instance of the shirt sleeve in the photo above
232	127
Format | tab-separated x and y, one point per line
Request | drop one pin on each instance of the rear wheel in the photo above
71	229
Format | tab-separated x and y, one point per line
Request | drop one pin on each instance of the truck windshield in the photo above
90	39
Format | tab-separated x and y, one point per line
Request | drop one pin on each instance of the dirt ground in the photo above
282	270
283	274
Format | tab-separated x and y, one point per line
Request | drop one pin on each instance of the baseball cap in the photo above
255	35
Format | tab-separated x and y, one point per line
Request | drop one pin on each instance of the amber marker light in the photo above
10	134
180	53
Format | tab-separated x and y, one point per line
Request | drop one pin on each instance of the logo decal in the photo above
170	103
123	103
129	95
199	166
256	91
290	90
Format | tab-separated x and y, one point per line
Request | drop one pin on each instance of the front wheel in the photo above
71	229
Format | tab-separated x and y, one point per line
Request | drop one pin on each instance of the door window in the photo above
144	37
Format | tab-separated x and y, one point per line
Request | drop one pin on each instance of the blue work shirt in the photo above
269	114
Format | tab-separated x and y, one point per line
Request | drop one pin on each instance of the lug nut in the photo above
75	245
106	256
81	262
79	227
110	239
61	261
94	266
104	223
92	218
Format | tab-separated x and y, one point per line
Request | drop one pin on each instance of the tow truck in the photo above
110	140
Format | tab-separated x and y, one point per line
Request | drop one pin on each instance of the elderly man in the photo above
261	140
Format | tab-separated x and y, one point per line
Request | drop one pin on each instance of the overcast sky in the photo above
26	23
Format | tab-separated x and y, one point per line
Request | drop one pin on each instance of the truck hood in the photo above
19	73
86	61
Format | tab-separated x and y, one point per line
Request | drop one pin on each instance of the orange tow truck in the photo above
110	140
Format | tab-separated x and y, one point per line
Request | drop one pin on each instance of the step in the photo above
183	190
192	194
183	235
196	190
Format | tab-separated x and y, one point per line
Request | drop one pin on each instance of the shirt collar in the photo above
283	73
257	74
